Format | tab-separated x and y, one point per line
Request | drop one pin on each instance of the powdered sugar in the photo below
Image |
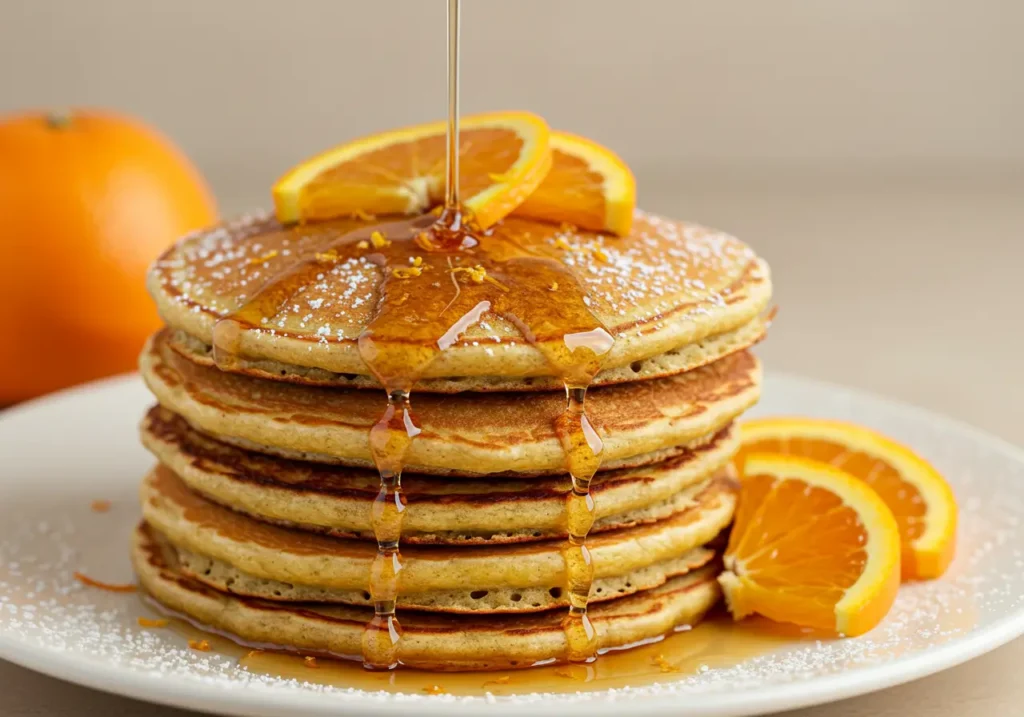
664	266
48	531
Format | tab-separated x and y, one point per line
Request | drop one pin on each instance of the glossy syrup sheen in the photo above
716	643
441	276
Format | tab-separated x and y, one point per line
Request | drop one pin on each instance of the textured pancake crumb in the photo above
677	360
429	641
337	500
478	434
666	285
681	501
270	552
643	459
229	579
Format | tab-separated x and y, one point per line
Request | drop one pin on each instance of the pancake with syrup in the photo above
678	360
337	500
490	579
469	300
462	434
302	295
432	642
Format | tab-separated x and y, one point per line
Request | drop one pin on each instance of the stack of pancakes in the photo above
257	519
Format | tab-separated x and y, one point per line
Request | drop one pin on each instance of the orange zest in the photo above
109	587
588	186
503	157
150	622
920	499
811	545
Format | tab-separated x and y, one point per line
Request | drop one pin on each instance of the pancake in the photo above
338	500
273	553
677	360
227	578
664	287
429	642
478	434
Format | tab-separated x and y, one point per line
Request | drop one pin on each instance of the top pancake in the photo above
665	286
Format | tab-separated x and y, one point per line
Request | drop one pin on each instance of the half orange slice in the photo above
811	545
503	157
588	186
918	496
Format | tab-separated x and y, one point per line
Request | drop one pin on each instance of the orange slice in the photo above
811	545
588	186
921	500
503	157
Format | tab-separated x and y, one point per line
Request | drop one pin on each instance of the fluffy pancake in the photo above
460	434
272	553
665	286
428	642
227	578
677	360
337	500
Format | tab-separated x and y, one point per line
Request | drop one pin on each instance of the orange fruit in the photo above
87	200
921	500
588	186
503	157
811	545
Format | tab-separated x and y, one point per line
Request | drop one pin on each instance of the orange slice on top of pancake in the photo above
589	186
503	157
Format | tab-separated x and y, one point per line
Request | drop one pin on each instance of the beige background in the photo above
872	150
685	86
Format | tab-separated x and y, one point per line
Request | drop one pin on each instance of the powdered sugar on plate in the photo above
52	622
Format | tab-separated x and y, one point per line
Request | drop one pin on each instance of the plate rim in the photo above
254	699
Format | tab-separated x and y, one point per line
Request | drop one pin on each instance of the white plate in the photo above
59	454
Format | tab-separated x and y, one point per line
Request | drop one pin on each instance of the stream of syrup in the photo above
441	276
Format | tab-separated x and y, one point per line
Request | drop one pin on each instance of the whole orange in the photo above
87	200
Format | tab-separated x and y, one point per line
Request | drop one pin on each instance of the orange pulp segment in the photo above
589	186
503	157
811	545
918	496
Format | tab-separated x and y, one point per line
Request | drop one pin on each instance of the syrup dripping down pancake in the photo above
432	642
336	500
675	361
479	434
665	286
269	552
493	601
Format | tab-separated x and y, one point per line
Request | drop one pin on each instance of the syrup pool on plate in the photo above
716	643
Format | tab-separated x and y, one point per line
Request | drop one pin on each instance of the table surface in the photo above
884	283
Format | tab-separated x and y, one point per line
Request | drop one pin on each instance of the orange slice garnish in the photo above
503	157
921	500
811	545
588	186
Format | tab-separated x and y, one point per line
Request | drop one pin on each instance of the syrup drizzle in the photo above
441	276
451	164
